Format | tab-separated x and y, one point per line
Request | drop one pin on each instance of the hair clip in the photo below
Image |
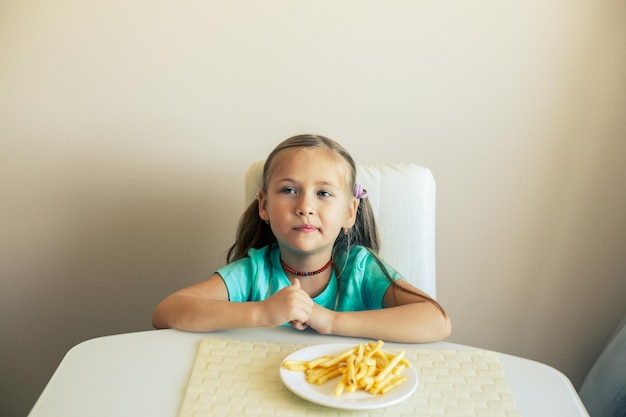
359	191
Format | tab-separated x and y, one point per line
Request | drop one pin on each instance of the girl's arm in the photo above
205	307
406	317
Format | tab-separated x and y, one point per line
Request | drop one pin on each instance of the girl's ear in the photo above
353	207
263	214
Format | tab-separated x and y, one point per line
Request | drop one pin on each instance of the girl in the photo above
306	254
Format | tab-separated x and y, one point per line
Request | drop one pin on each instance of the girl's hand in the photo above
291	304
321	319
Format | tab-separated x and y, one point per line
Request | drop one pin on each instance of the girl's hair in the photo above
253	232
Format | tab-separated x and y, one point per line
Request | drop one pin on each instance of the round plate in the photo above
323	394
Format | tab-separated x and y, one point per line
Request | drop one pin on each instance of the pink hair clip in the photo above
359	191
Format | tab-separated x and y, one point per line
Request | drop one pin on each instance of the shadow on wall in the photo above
90	252
604	390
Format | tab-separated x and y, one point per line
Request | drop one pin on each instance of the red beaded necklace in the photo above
306	274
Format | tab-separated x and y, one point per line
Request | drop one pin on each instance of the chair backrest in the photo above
403	199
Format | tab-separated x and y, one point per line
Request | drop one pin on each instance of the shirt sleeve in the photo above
375	281
363	282
254	278
236	276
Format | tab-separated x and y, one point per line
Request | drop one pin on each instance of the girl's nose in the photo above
304	207
305	212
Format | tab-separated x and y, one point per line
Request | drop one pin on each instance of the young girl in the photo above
306	254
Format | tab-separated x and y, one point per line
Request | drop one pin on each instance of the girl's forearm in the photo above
197	314
411	323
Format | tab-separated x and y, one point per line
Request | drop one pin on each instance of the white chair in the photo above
403	199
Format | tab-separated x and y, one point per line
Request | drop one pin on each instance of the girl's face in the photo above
308	201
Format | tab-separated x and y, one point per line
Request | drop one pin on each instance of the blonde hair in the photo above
253	232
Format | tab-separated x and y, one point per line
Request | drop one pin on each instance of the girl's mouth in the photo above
306	228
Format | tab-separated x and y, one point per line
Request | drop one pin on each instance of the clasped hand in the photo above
294	306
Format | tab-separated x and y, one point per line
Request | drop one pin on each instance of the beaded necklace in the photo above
306	274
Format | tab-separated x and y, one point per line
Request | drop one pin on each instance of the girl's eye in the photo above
324	194
288	190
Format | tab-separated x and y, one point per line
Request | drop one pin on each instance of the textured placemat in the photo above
236	377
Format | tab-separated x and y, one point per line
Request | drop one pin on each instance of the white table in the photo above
146	373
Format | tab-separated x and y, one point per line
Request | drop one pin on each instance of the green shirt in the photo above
260	275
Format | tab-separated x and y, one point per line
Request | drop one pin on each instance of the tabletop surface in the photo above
149	373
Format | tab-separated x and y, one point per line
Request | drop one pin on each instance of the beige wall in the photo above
126	127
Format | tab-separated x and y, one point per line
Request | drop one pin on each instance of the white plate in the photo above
323	394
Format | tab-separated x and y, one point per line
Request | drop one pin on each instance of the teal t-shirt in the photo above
260	275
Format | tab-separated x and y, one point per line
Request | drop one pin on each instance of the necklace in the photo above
306	274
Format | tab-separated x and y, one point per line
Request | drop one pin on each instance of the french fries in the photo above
366	367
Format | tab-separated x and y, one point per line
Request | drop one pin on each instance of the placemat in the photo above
236	377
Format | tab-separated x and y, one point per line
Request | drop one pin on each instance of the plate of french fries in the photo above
349	376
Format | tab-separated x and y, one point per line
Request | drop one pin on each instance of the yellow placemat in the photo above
236	377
